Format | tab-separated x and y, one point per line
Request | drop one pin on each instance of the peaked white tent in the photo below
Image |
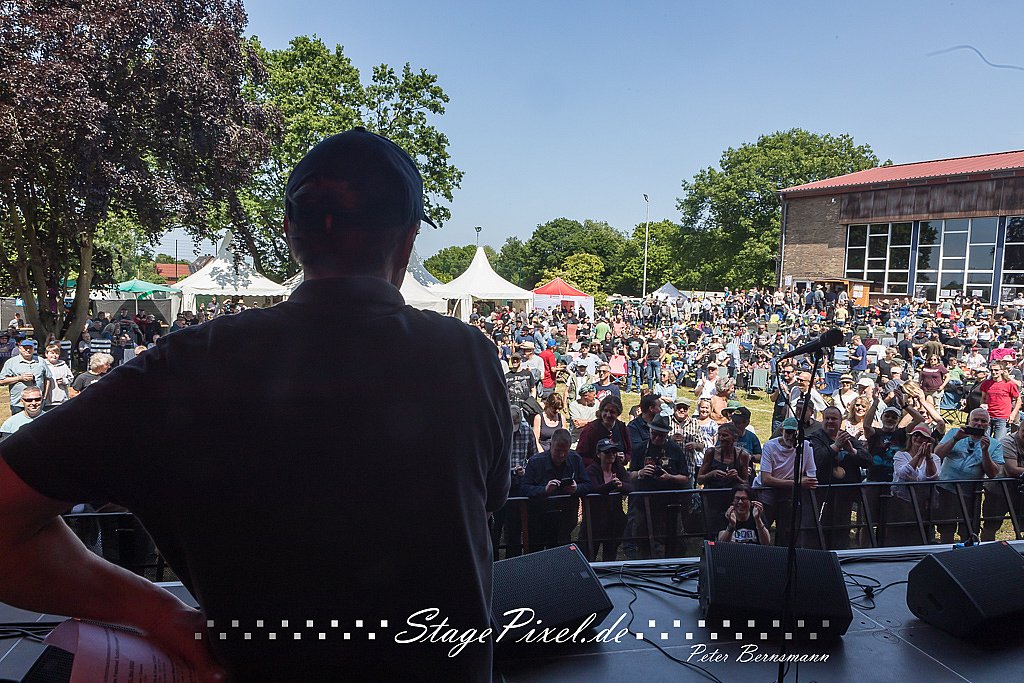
418	296
419	271
415	294
481	283
665	292
223	277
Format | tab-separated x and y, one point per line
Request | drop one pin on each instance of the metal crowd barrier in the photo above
834	516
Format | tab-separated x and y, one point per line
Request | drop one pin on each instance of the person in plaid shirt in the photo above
687	434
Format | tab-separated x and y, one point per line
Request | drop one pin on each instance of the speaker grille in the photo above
741	581
557	584
981	568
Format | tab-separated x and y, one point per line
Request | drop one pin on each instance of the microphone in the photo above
833	337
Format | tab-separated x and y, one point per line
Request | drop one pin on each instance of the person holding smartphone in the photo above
660	465
966	453
553	479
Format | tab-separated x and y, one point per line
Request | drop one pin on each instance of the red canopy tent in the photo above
558	293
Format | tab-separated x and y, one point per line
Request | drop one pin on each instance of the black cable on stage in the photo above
30	630
660	568
870	590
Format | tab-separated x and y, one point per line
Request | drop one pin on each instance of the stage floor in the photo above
886	643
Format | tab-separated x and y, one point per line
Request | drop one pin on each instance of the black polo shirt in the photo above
325	464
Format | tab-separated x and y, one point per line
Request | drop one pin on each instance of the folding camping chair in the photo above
758	380
617	364
842	359
951	406
831	383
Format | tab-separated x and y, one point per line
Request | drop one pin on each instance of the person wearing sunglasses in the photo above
745	519
32	402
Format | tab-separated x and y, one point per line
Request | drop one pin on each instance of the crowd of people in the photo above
104	343
915	393
874	412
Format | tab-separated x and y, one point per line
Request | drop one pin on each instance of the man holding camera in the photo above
966	453
660	464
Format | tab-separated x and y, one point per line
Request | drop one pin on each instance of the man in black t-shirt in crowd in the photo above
654	350
634	358
660	465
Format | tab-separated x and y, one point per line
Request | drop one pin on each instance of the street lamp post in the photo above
478	229
647	239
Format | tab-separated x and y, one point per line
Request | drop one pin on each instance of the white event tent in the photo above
223	277
665	292
481	283
419	271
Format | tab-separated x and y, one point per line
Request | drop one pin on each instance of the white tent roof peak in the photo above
225	276
481	282
418	271
224	250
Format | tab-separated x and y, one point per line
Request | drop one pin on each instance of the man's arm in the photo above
869	419
945	447
45	568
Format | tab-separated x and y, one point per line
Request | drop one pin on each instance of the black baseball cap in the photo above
374	183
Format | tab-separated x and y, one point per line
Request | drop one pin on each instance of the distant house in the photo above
172	272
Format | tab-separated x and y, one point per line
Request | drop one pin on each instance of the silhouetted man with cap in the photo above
272	525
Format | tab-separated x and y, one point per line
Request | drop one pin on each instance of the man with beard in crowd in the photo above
777	475
838	459
660	465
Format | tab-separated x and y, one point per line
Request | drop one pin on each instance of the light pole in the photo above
478	229
647	239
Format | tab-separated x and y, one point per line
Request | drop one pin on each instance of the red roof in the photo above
167	270
941	168
559	287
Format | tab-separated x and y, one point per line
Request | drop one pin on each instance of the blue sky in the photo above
577	109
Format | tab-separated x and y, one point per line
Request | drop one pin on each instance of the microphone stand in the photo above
794	522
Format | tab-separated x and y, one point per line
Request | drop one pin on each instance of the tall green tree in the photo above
451	262
116	106
731	215
582	271
552	242
511	262
318	92
662	264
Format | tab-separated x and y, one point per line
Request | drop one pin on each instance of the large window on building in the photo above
879	252
953	256
956	256
1013	259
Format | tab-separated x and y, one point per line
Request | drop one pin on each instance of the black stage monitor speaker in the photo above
969	591
559	587
744	582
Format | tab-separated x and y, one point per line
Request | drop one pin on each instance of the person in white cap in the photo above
23	371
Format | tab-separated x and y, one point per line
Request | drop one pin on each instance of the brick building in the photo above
929	229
